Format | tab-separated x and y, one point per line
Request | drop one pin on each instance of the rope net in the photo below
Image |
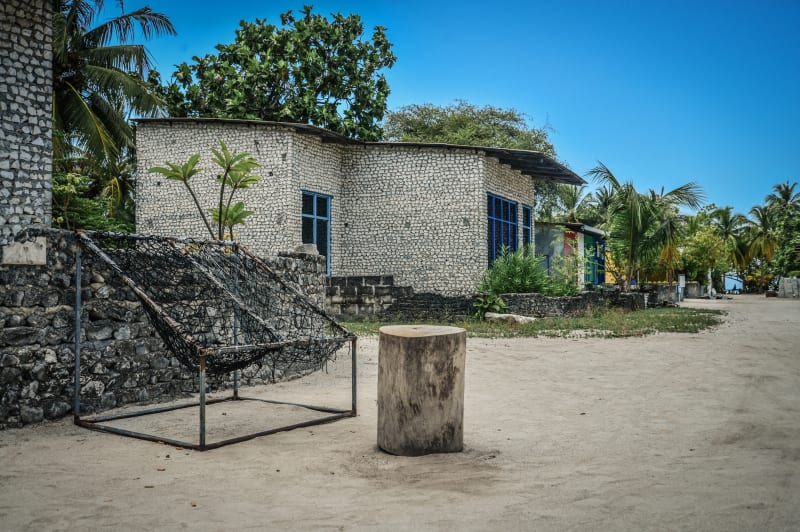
216	300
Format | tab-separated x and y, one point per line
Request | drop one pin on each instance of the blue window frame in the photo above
501	225
527	219
316	224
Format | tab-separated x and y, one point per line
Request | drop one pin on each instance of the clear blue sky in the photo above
661	92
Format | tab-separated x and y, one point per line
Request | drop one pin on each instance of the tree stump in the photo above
421	389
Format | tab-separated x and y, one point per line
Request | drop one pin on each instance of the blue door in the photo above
316	230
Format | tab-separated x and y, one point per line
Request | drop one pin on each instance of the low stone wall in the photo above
540	306
361	296
429	307
789	287
123	359
694	290
660	294
376	297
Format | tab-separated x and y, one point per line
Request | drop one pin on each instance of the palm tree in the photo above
602	199
98	77
644	227
762	233
730	226
784	198
572	201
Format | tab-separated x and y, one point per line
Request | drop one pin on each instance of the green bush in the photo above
486	302
518	272
522	272
73	208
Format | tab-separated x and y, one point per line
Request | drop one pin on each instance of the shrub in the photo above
518	272
486	302
522	272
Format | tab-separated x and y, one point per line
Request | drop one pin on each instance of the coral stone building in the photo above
431	215
26	90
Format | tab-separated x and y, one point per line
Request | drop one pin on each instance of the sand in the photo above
665	432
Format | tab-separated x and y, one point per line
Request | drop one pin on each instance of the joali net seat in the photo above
218	309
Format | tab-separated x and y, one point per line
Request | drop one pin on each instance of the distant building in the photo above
432	215
554	241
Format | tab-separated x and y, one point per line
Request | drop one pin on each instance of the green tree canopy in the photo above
466	124
310	70
98	77
784	203
644	228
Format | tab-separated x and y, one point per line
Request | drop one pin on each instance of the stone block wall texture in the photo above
539	306
25	115
418	214
789	287
123	359
415	213
377	297
693	290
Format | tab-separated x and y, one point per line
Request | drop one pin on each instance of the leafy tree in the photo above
704	251
98	77
643	228
235	175
729	226
72	209
784	198
465	124
310	70
784	202
762	232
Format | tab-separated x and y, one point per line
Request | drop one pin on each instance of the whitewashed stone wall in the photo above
318	168
164	207
511	184
25	115
418	214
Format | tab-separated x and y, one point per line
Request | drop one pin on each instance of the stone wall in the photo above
418	214
693	290
378	298
789	287
164	207
25	115
365	297
123	359
415	213
539	306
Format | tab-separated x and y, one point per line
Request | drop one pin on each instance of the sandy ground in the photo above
667	432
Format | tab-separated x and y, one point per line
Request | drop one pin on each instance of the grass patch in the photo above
604	324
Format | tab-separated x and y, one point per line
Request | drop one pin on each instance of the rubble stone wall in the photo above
123	360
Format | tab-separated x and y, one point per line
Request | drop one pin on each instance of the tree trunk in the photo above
421	389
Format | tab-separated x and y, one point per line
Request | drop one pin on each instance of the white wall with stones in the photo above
416	213
164	207
317	167
25	115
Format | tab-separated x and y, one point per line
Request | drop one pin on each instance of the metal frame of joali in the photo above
172	332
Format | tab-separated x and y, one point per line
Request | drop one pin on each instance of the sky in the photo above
663	93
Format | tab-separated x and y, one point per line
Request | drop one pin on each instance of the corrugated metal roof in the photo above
534	164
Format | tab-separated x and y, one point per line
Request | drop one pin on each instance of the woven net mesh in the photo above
218	301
